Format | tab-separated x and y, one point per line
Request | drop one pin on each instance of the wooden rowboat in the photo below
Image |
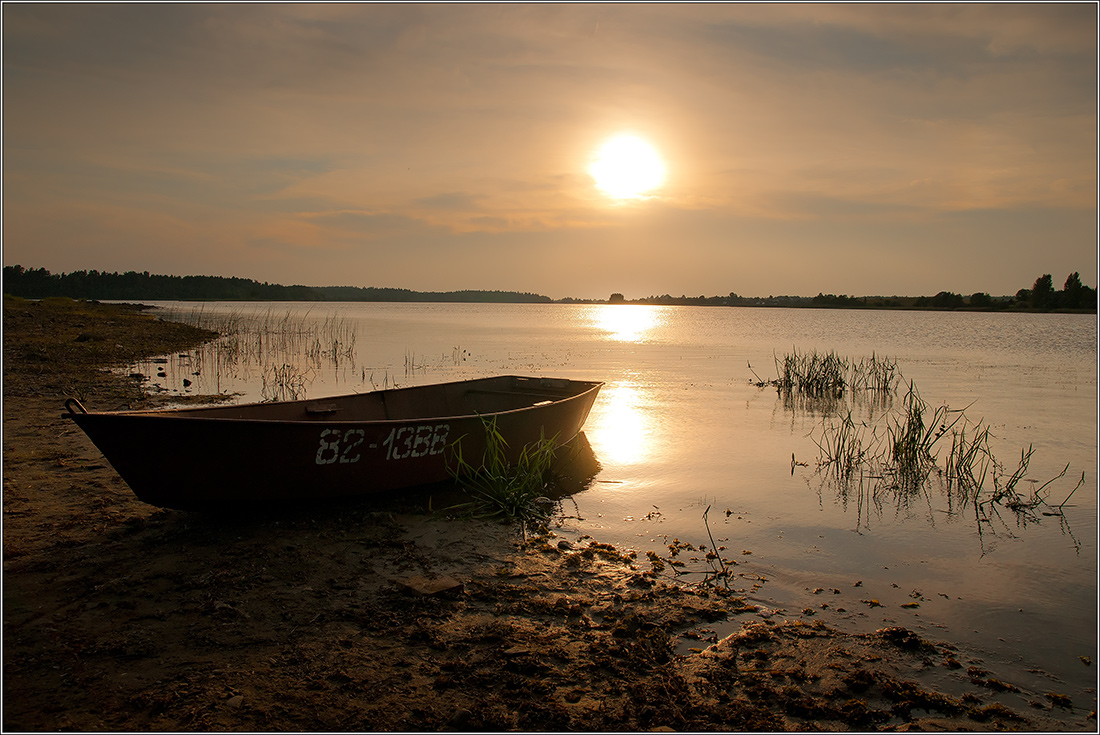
266	453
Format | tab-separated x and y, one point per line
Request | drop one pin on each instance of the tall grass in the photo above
913	437
812	373
278	352
333	341
499	488
826	383
843	447
828	374
969	460
284	383
875	374
899	452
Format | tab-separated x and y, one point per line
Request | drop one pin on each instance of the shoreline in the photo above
121	616
133	286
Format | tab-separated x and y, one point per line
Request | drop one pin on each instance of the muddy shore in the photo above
377	615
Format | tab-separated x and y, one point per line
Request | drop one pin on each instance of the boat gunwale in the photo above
187	413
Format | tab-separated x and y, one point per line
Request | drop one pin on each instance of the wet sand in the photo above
376	615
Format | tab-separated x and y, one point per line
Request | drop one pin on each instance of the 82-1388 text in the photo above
344	446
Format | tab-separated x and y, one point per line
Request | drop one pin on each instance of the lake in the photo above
680	427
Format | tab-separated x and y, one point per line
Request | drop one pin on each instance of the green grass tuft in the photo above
499	488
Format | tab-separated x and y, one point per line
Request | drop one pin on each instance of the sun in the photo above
627	167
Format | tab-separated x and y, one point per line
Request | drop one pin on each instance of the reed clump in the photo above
827	374
899	451
500	488
284	382
912	437
278	350
813	373
827	383
333	341
843	447
972	470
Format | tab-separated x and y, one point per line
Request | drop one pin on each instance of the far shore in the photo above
1042	297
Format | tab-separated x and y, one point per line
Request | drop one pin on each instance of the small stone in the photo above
572	561
432	587
460	718
235	702
1059	700
564	545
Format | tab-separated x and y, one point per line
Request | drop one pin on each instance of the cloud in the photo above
370	224
495	224
332	125
456	200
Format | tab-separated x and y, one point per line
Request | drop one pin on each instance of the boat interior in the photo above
465	398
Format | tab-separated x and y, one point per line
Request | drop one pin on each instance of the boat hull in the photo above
200	459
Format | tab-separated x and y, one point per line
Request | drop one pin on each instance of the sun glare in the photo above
627	167
619	427
627	322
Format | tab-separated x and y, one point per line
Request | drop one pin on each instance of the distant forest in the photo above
1042	296
37	283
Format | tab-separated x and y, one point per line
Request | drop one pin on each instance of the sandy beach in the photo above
377	615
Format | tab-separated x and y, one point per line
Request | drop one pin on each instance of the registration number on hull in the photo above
345	446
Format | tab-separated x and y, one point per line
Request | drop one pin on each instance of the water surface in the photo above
679	427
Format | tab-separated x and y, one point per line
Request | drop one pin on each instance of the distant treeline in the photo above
36	283
1042	296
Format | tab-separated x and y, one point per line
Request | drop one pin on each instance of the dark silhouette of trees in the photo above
1074	294
981	300
1042	293
133	286
947	300
841	301
942	300
39	283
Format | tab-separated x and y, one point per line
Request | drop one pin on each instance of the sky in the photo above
862	149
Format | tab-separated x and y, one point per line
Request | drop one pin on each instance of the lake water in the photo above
679	427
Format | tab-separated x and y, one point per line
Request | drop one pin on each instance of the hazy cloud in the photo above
370	224
451	200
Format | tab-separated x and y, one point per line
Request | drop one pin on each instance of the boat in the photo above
306	450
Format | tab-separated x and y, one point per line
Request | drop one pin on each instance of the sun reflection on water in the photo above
627	322
619	427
